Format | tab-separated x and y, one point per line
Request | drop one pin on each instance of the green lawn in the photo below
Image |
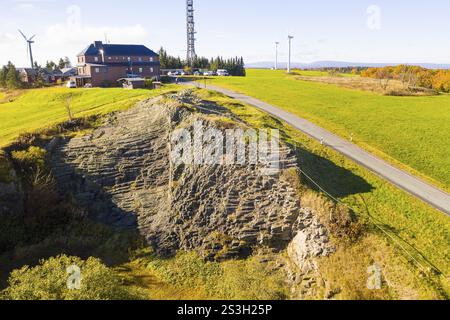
412	132
40	108
407	220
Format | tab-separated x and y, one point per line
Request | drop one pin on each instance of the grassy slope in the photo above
404	216
412	130
409	220
39	108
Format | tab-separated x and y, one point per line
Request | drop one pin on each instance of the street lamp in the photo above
289	59
102	52
276	55
130	65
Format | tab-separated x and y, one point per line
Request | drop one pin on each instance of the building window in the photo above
109	58
151	69
96	59
97	70
140	59
151	59
140	70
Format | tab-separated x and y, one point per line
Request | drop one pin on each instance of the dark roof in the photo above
27	71
117	50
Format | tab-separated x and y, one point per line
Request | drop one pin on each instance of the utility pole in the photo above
289	59
276	55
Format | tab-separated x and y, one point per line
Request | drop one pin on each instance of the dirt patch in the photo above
392	88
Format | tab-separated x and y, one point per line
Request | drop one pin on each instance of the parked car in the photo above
71	84
174	73
208	73
197	73
222	73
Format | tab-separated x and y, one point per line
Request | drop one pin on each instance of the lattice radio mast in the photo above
190	31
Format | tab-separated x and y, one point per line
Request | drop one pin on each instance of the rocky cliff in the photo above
122	174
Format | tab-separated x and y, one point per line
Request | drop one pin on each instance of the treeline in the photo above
9	77
235	66
62	63
412	76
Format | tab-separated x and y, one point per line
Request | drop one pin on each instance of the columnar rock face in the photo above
123	175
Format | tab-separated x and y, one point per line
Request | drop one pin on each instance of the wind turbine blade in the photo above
32	38
23	35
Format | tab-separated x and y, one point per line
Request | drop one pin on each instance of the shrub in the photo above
166	79
5	169
31	159
49	281
148	83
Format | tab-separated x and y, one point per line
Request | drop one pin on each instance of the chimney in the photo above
98	44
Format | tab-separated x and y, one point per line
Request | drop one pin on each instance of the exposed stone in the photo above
311	241
122	174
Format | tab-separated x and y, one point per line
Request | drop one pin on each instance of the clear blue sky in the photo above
397	31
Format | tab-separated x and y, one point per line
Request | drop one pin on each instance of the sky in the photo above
382	31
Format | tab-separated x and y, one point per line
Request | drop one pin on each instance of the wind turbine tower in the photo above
30	42
190	31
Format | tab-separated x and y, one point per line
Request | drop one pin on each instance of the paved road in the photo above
413	185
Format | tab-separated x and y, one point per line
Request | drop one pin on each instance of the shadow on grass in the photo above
336	180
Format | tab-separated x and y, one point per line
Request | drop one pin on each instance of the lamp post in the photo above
102	52
130	64
276	55
289	58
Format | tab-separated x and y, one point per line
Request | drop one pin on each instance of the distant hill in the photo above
339	64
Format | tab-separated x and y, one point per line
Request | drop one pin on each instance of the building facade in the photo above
101	65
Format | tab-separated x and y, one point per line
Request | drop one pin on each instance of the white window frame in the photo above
141	70
96	59
97	70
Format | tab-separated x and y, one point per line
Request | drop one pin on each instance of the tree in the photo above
12	77
3	73
384	76
51	280
61	63
235	66
50	65
67	63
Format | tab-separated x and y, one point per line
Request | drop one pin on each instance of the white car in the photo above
71	85
208	74
222	73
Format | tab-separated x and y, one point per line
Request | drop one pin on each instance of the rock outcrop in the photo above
122	174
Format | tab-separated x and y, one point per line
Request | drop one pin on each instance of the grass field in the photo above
410	224
40	108
412	132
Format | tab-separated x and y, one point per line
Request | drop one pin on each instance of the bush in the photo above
5	169
31	159
166	79
148	83
49	281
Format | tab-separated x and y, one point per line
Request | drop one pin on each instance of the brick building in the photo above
103	64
